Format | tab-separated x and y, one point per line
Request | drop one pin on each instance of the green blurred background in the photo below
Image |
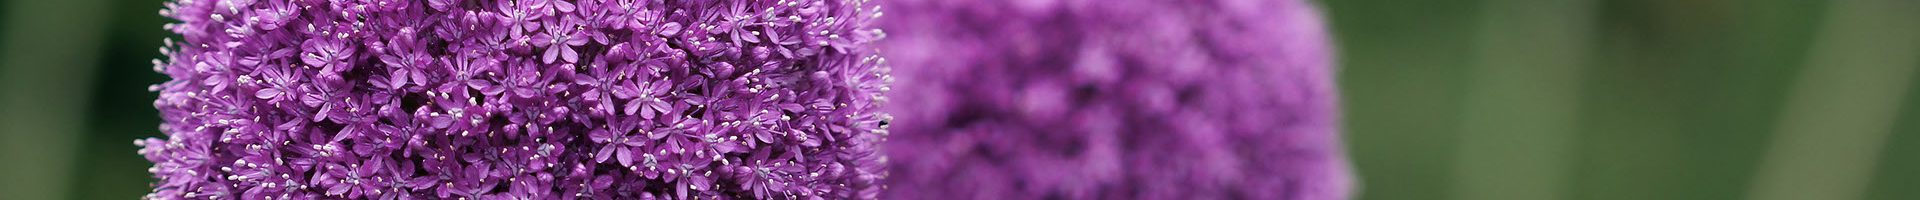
1445	99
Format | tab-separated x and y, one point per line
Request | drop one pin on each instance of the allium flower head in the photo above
1112	99
519	99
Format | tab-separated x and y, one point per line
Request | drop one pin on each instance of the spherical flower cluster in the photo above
1103	99
519	99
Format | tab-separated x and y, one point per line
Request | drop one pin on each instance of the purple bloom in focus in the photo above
1098	99
561	37
519	99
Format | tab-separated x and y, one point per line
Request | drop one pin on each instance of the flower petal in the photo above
568	53
626	156
266	93
606	152
552	53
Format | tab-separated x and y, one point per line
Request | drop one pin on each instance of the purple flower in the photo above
1093	99
409	58
560	38
331	55
520	16
647	98
689	172
352	180
552	7
622	142
516	99
762	172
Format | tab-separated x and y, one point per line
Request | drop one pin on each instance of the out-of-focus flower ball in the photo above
1112	99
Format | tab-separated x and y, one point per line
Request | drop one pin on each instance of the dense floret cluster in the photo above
1100	99
519	99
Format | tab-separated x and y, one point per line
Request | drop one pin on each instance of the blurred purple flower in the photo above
516	99
1098	99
